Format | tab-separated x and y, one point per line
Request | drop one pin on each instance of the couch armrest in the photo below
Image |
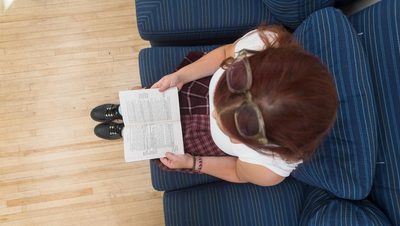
225	204
169	180
322	208
159	61
182	22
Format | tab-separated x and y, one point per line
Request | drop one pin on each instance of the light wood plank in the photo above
58	60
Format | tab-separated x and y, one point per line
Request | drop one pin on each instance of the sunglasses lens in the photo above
236	76
247	121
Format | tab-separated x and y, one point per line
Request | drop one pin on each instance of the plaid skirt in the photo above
195	116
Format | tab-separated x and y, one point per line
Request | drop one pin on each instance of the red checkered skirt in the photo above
195	116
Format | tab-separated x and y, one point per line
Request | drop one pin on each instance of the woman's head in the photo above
295	94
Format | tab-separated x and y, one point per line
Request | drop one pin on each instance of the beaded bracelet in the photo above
200	164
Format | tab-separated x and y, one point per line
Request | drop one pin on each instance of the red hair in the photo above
295	93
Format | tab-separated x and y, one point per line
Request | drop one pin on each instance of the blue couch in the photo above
354	179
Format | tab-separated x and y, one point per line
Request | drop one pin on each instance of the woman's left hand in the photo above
174	161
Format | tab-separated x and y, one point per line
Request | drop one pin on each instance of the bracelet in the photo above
200	164
194	162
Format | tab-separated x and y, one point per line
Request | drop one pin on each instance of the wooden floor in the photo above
58	60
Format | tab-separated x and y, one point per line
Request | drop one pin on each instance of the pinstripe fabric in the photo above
324	209
168	180
223	203
178	20
379	29
156	62
344	163
292	12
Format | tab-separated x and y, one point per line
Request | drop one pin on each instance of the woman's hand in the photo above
174	161
168	81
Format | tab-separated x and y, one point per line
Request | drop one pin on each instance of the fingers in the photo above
155	85
161	88
166	82
174	161
166	162
171	156
165	85
161	85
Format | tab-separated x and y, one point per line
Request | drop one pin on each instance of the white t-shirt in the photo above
275	163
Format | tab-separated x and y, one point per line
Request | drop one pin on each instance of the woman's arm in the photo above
257	174
226	168
203	67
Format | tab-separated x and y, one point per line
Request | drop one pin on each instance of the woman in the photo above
271	105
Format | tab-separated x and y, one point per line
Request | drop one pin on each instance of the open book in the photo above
152	123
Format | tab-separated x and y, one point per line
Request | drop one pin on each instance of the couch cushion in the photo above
169	180
292	12
181	22
227	204
344	163
379	28
153	64
322	208
156	62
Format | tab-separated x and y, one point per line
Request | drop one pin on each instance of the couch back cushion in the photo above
344	163
379	30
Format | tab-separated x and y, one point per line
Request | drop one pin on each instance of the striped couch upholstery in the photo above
355	178
292	12
199	20
380	29
156	62
218	20
223	203
345	162
322	208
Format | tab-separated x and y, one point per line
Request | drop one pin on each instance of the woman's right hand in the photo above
168	81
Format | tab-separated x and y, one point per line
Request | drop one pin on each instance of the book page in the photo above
150	141
152	123
149	106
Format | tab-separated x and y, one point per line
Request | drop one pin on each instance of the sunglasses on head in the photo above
249	121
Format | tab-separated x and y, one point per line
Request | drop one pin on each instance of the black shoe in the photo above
106	113
109	130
